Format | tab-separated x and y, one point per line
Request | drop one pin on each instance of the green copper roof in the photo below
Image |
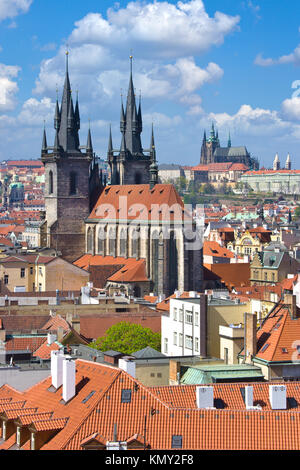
210	374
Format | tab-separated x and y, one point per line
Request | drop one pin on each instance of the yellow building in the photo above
37	273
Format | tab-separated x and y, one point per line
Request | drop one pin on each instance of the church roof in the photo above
231	152
141	203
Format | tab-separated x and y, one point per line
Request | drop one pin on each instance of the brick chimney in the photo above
174	372
290	300
250	322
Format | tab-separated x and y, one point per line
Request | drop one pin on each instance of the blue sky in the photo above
232	62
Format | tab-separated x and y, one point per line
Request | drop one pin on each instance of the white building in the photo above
183	331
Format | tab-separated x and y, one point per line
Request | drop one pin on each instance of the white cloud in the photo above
293	58
161	120
291	109
8	87
12	8
157	29
34	112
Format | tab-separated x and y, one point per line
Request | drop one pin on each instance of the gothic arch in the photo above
154	259
50	182
135	243
101	241
90	240
112	241
172	264
123	242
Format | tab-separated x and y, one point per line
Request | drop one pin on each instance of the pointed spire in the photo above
153	167
132	133
76	113
89	145
57	113
204	137
140	122
122	117
288	163
152	145
229	141
44	142
71	115
68	131
123	144
110	145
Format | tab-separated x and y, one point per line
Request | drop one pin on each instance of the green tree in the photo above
127	338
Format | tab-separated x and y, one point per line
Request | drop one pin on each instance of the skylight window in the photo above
176	442
88	396
126	396
265	347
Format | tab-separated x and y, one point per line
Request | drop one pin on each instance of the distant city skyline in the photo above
233	63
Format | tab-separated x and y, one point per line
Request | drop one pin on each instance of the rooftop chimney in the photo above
290	301
69	373
250	349
128	365
205	397
57	368
277	397
249	396
51	337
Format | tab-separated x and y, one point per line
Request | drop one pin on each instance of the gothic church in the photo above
147	246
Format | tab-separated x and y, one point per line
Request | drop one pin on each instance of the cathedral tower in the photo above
69	171
131	163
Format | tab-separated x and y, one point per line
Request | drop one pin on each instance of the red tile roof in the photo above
169	411
141	203
211	248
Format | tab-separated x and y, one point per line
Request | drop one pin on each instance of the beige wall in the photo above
60	274
233	346
153	375
222	315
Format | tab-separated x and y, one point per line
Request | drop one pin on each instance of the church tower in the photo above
131	163
70	169
288	163
276	163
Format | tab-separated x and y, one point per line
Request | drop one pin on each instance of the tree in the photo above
127	338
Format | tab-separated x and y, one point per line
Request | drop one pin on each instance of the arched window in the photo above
123	240
50	182
73	182
90	240
101	241
172	263
154	260
112	242
135	245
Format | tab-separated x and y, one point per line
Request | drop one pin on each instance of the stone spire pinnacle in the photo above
288	163
44	142
68	131
110	145
229	140
132	133
153	167
89	145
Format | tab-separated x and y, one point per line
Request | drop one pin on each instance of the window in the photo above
175	313
175	338
31	270
73	182
50	182
188	342
40	271
22	272
126	396
180	339
166	345
266	276
197	344
196	318
5	278
189	317
181	314
176	442
40	287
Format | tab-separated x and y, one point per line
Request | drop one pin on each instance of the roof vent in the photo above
277	397
205	397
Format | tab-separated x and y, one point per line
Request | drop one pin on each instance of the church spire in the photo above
68	130
132	133
153	166
44	142
229	141
110	145
89	145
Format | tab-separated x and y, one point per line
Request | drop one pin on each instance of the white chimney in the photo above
249	396
128	366
69	372
57	368
51	337
205	397
277	397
